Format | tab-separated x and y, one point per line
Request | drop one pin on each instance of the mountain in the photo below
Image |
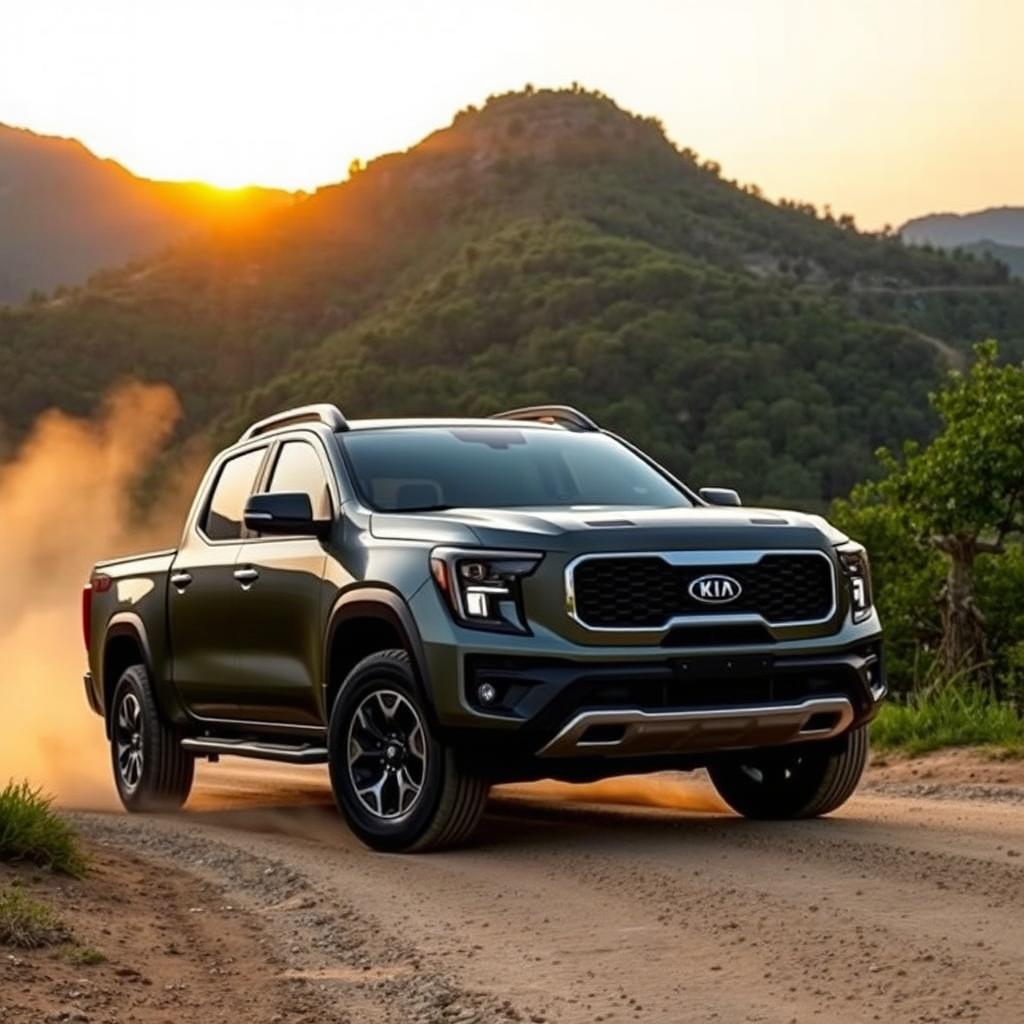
547	247
1011	255
1003	224
65	213
996	233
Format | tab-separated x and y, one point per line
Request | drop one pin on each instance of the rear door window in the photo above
235	482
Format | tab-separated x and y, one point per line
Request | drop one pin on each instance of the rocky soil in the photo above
632	900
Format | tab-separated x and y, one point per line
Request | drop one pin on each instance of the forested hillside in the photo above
1011	255
549	247
65	213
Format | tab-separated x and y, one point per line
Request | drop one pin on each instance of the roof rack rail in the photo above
325	413
561	415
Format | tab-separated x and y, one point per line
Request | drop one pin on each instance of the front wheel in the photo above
397	785
151	771
800	781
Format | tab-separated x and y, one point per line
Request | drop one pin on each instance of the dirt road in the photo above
901	907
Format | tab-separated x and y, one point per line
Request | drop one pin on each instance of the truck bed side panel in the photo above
134	601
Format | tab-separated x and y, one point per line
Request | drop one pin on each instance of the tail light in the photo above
87	615
97	585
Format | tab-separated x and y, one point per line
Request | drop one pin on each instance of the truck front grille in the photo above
648	592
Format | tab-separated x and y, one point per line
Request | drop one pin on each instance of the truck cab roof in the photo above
554	417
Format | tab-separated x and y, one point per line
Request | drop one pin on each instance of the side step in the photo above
304	753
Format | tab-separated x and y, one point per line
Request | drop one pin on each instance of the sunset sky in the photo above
883	108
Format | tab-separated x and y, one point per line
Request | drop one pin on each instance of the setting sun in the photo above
869	107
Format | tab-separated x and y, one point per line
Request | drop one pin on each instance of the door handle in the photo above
246	576
181	580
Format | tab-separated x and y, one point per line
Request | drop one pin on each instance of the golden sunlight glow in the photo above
885	108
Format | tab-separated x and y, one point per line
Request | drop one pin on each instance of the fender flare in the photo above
130	624
122	624
127	624
376	602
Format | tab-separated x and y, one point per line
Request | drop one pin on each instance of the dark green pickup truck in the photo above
434	606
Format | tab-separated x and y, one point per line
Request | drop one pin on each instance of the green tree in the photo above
906	577
963	494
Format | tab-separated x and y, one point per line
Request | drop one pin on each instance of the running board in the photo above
305	753
632	731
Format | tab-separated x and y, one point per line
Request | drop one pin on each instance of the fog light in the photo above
486	693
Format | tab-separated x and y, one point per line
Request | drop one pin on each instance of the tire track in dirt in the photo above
895	909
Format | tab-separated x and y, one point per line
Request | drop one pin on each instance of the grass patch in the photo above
31	830
948	715
84	956
26	923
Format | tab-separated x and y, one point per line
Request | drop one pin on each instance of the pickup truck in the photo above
434	606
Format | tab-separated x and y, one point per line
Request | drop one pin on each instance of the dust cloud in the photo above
66	501
667	790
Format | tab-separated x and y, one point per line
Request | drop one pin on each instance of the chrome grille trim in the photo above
717	559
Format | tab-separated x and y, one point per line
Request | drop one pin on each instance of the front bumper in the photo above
676	703
643	700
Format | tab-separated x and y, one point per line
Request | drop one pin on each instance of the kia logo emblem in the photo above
715	589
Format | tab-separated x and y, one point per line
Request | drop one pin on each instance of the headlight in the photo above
854	560
482	588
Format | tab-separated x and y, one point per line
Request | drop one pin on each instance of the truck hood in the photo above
612	529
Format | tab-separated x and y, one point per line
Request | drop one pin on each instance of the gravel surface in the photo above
145	942
361	971
577	905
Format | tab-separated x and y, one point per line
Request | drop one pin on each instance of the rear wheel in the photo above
397	785
151	771
800	781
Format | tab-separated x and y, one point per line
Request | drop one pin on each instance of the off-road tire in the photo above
804	780
451	796
165	772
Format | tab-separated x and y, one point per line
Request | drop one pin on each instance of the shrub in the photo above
947	714
31	830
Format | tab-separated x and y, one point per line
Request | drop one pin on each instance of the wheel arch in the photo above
363	621
125	643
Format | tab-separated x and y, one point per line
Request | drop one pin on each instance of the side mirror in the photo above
720	496
284	513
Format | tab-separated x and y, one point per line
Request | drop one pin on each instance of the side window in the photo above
223	519
298	470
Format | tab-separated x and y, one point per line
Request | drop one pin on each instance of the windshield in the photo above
403	470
